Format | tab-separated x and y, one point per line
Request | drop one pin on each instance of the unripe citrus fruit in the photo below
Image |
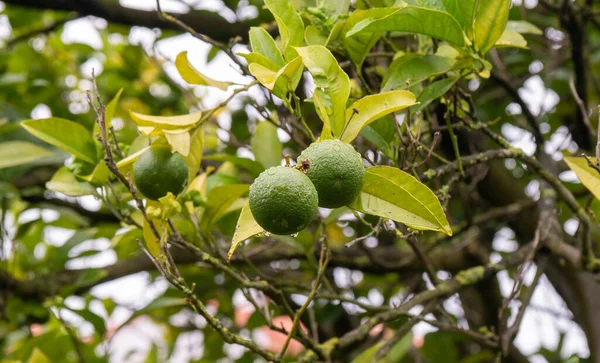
283	200
336	170
158	171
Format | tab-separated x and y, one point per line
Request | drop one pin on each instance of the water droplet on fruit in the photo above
336	148
271	172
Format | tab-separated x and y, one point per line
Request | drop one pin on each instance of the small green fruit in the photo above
158	171
336	170
283	200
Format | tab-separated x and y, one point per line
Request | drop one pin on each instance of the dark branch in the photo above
202	21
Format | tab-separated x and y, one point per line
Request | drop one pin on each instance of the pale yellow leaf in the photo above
150	130
194	76
194	159
586	174
371	108
126	164
179	140
152	243
246	227
281	82
512	39
166	122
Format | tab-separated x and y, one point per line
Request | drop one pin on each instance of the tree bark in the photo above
204	22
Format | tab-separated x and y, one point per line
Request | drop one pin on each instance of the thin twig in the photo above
454	140
404	329
323	262
581	105
429	268
598	139
225	48
509	334
226	101
436	139
519	276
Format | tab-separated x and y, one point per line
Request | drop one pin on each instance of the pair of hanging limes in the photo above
284	200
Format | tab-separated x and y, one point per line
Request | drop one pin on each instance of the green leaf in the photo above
396	353
490	20
193	76
246	227
334	7
111	108
320	100
313	36
434	91
289	22
94	319
368	355
401	348
266	146
89	277
255	57
153	356
166	122
463	11
99	175
412	19
20	153
281	82
589	176
391	193
5	128
253	167
360	44
373	107
377	140
523	27
411	69
440	346
218	201
511	39
263	43
333	85
38	357
212	53
65	182
64	134
194	158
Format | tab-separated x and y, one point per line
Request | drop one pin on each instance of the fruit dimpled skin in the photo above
158	171
283	200
336	170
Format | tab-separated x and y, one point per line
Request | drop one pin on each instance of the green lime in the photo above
336	170
283	200
158	171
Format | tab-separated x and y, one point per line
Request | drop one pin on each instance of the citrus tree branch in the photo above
202	21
